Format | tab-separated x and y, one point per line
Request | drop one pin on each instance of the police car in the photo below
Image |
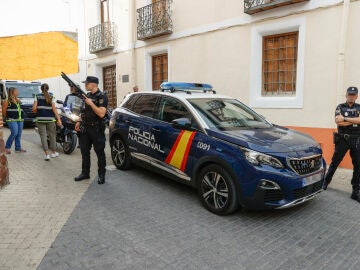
231	154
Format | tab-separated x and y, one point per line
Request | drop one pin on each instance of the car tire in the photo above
120	154
217	190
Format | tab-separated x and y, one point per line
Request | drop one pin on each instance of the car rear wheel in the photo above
120	154
217	190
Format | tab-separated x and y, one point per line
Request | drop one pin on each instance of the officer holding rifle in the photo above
91	129
347	118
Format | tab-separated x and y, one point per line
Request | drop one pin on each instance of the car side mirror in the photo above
59	101
182	123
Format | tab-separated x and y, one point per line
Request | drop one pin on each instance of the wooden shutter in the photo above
159	70
109	75
279	64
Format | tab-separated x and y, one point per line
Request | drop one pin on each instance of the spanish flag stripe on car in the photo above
179	153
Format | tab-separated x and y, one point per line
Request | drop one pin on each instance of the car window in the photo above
145	105
227	114
170	109
130	102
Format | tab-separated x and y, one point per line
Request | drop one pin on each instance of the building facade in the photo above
289	60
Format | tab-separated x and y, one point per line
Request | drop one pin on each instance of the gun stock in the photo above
79	91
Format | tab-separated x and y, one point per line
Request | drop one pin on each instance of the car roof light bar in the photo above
187	87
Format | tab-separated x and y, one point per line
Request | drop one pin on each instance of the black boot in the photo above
355	196
101	180
325	184
82	177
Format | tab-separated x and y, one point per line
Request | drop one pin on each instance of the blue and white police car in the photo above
231	154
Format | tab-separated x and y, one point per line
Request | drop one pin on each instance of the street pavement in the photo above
140	220
37	203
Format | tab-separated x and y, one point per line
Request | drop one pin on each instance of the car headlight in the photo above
257	158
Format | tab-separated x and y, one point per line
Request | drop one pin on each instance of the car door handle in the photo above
128	121
156	129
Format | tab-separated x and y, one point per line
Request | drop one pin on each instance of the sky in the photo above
32	16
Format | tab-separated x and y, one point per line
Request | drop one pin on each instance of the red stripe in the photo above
188	146
172	151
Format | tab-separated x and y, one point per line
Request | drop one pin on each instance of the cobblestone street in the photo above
140	220
37	203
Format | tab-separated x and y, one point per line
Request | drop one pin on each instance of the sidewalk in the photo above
341	180
37	203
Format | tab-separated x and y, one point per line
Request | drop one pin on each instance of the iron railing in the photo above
255	6
154	20
102	37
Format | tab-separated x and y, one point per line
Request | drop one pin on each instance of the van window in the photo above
26	90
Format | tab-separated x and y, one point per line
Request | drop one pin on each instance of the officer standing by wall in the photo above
347	118
92	129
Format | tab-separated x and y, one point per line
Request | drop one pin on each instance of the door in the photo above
141	141
159	70
178	145
109	75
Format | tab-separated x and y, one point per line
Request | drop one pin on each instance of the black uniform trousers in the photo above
341	147
94	135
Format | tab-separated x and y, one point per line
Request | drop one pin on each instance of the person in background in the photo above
14	119
70	97
135	88
47	115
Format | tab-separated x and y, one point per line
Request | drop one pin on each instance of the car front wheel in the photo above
120	154
217	190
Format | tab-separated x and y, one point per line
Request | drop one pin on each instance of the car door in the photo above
178	146
139	123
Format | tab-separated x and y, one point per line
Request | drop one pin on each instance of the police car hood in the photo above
270	140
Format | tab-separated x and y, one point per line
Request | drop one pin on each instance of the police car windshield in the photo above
26	90
227	114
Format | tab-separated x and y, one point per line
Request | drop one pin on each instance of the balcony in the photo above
102	37
154	20
255	6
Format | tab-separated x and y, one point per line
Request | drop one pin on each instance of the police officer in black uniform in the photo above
347	118
92	129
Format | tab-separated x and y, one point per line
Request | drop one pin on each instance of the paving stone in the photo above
140	220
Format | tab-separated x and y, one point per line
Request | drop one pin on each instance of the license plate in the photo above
312	179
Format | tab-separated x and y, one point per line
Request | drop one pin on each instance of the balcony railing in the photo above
255	6
154	20
102	37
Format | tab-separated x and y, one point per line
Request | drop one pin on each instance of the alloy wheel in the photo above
215	191
118	151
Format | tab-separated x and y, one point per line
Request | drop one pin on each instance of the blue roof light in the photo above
175	86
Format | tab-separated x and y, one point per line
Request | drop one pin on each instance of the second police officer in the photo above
347	118
92	129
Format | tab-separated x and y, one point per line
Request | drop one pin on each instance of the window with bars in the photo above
279	64
159	70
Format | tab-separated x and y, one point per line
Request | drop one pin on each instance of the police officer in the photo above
347	118
92	129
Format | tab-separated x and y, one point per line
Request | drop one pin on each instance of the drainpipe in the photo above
133	38
340	91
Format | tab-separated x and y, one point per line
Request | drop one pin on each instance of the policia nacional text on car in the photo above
91	129
347	118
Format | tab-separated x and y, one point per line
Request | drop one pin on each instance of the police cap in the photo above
91	79
352	90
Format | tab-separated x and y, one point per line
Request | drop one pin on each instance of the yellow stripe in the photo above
179	153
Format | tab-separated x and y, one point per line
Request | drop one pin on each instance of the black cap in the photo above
91	79
352	90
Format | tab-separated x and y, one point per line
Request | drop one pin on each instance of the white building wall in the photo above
213	42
